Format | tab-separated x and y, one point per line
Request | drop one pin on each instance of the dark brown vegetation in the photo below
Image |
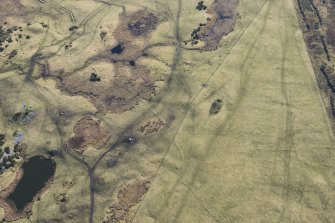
94	77
130	82
127	198
26	115
152	126
13	8
7	34
317	20
88	132
141	23
201	6
224	15
11	34
73	28
330	31
128	87
215	107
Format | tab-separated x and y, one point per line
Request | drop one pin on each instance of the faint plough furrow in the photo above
237	40
198	93
324	106
173	70
91	169
229	116
302	190
201	203
288	129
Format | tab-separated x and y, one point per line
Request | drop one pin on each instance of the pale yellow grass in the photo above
267	157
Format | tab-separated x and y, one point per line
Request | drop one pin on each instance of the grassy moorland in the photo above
237	134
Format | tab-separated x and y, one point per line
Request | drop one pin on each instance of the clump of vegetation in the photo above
68	46
12	54
195	34
44	25
5	35
9	156
216	107
73	28
94	77
103	35
2	139
26	115
201	6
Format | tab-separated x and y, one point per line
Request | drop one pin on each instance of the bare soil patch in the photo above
127	197
88	132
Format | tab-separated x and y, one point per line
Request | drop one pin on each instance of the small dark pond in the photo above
37	170
118	49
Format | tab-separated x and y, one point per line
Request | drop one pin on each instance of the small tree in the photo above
7	150
94	77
